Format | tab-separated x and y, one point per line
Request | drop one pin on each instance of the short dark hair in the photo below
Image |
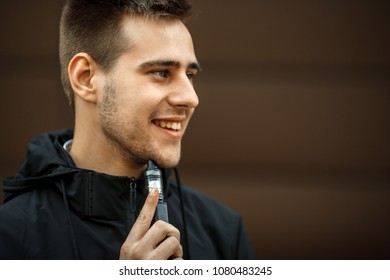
93	27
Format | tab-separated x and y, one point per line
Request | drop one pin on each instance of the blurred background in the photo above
293	126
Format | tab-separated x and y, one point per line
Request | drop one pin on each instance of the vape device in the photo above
154	181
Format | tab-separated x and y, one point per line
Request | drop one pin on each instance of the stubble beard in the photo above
131	142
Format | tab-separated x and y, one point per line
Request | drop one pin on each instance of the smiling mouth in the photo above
173	126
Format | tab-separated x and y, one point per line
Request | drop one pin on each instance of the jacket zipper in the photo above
133	202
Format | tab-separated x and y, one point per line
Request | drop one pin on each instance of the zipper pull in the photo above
133	195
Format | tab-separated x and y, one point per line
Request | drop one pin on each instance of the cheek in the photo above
133	114
142	101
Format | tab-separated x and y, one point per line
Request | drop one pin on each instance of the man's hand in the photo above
161	241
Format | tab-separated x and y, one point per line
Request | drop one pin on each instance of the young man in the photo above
128	70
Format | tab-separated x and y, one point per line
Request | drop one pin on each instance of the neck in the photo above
92	151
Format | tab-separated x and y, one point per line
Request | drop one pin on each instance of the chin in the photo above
167	161
167	164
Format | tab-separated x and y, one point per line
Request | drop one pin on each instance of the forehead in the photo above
151	39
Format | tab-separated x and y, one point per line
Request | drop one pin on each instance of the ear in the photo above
81	70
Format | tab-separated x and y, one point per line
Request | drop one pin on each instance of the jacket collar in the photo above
100	195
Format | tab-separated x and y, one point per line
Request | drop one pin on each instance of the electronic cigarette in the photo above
154	181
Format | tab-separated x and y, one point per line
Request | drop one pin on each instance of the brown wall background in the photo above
293	128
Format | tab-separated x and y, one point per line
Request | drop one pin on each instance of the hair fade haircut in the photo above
93	27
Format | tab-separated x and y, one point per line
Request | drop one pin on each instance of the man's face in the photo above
148	96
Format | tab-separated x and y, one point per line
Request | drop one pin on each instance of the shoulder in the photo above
211	213
28	209
25	221
203	201
18	208
14	227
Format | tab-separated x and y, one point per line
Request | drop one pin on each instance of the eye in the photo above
191	75
161	73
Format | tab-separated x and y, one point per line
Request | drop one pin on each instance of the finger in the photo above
165	239
161	230
144	220
178	253
169	248
161	241
158	232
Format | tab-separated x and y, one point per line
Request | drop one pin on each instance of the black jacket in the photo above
54	210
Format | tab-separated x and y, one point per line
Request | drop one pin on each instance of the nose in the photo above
183	94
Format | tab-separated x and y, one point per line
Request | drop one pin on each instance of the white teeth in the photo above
170	125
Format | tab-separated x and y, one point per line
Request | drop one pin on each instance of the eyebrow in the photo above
169	63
